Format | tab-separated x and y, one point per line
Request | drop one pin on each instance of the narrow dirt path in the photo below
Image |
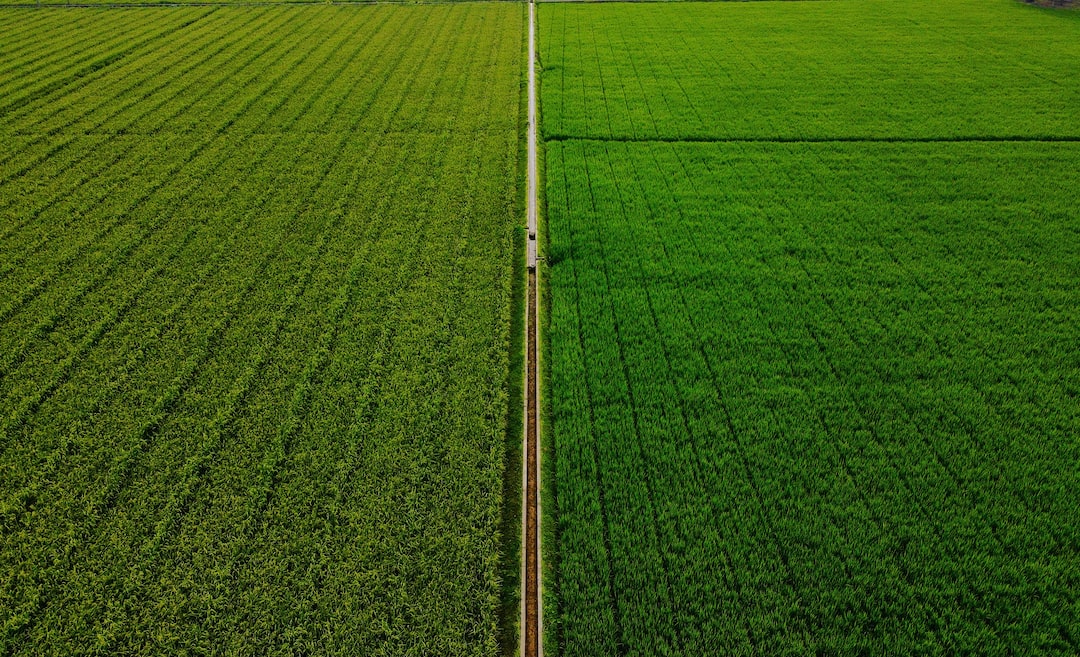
531	608
532	521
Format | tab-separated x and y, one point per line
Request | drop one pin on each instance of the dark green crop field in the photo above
255	297
817	397
810	70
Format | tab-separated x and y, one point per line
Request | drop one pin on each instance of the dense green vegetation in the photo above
810	70
814	398
99	4
254	323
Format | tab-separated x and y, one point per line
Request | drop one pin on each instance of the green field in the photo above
870	69
124	4
813	331
814	328
255	308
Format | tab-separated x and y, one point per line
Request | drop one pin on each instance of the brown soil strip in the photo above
532	641
532	478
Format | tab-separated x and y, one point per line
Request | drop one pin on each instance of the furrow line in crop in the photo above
32	402
125	540
945	351
619	81
678	79
641	88
316	96
34	288
66	43
650	97
24	30
586	112
941	348
267	472
145	75
880	519
24	217
368	394
719	63
253	56
700	466
903	478
271	464
189	64
632	405
29	404
196	465
621	646
23	618
83	45
917	502
943	464
31	291
600	77
29	39
11	511
648	468
126	463
60	195
764	516
121	470
690	238
291	50
383	342
977	383
269	469
359	114
562	80
210	263
373	385
84	74
120	473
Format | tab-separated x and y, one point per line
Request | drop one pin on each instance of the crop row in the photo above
253	352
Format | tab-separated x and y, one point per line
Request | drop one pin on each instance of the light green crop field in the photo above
814	397
122	4
255	293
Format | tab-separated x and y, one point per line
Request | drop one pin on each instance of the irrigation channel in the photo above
532	597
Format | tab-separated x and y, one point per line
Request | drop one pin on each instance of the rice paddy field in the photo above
811	351
814	371
255	296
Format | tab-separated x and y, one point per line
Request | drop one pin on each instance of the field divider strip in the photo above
820	140
532	566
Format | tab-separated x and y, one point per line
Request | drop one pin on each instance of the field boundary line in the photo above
532	644
958	139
